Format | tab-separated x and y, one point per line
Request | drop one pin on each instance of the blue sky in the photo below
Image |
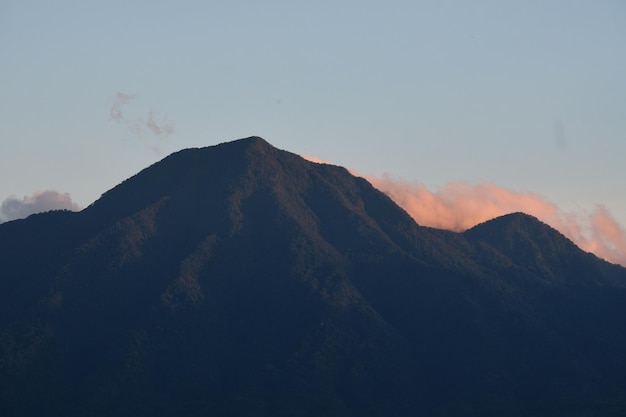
528	95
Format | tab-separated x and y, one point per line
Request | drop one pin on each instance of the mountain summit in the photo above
240	279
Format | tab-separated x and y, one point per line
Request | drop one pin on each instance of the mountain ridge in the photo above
240	279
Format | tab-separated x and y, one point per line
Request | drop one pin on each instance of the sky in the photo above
455	106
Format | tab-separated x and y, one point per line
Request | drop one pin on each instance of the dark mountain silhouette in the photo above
240	280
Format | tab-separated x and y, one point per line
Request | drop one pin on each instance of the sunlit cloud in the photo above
607	237
14	208
458	206
314	159
152	129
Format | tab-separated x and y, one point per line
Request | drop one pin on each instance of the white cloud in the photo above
14	208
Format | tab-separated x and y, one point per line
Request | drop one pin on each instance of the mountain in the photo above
240	279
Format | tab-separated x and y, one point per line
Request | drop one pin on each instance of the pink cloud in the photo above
314	159
459	206
607	238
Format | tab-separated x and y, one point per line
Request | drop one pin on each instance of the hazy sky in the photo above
527	95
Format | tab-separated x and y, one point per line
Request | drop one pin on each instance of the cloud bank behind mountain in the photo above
459	206
14	208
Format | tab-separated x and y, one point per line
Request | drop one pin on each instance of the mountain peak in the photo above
528	242
515	219
189	168
245	143
251	139
517	223
508	230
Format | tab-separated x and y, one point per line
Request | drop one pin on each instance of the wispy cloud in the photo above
152	129
159	125
14	208
121	99
459	206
